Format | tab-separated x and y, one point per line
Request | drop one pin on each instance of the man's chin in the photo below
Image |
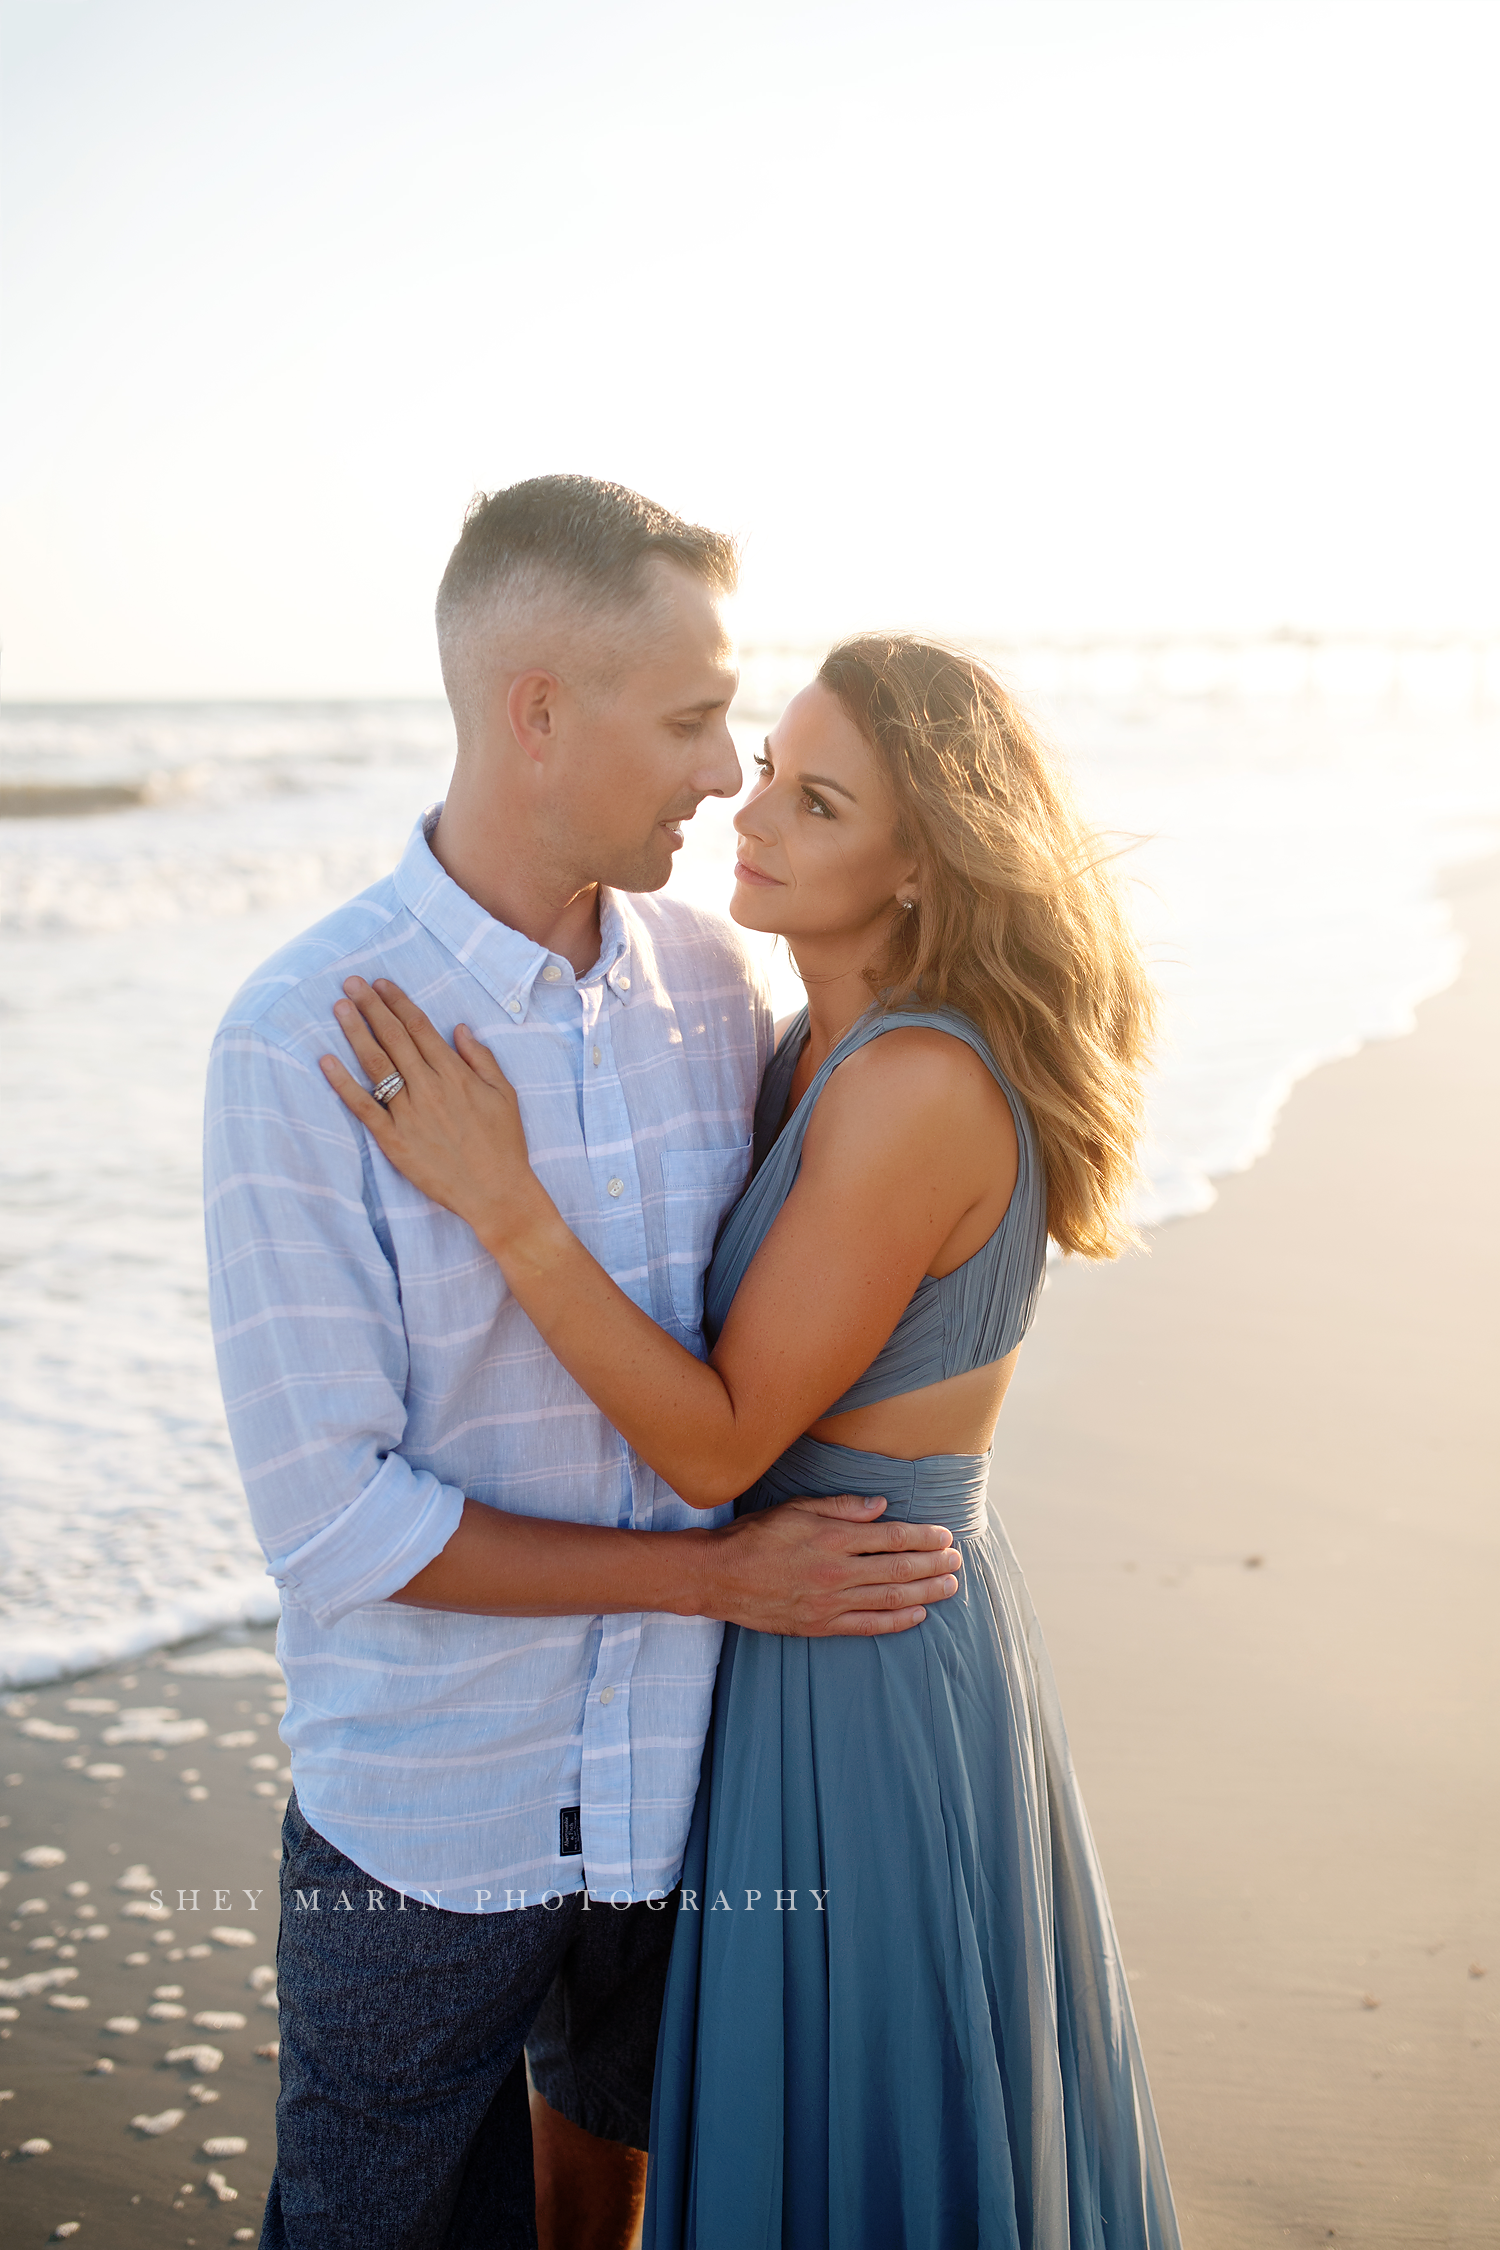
649	870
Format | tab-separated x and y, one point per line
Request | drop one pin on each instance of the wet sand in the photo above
138	1821
1252	1479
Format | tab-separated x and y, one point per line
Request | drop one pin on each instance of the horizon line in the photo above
1157	640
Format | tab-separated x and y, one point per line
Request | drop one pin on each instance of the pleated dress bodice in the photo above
954	1322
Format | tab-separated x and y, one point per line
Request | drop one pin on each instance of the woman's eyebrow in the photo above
816	780
822	781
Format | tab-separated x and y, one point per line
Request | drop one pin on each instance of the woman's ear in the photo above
531	709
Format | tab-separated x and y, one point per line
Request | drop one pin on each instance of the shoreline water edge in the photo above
1294	827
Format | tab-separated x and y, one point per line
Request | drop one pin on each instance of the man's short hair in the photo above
585	537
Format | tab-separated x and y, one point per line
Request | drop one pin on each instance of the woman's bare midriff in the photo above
956	1416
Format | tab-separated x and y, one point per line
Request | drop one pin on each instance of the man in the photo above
499	1628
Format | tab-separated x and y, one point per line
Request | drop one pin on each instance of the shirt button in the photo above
622	984
551	973
606	1695
514	1007
617	1187
598	1058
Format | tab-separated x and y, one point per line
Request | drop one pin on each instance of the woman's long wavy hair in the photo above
1019	922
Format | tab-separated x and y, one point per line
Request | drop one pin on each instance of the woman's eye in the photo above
815	803
761	763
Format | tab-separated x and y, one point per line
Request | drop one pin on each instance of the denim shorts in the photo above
403	2121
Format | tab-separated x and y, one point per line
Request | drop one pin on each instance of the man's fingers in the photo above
867	1623
896	1539
893	1609
832	1573
864	1571
847	1505
879	1538
928	1590
876	1536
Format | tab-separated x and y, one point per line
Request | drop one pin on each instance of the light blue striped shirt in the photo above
376	1371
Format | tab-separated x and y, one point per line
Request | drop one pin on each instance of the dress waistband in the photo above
946	1488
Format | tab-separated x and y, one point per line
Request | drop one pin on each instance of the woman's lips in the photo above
745	873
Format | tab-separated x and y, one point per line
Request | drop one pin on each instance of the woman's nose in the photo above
751	821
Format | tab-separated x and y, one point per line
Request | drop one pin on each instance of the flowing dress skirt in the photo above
896	2017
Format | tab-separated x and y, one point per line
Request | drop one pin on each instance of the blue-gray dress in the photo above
896	2017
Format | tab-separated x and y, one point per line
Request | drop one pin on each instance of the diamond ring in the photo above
386	1092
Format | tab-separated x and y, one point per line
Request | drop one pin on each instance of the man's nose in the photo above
720	775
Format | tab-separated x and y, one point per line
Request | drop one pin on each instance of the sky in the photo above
1036	317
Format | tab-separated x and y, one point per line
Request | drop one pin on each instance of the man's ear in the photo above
531	709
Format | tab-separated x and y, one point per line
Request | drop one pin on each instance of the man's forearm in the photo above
810	1567
500	1565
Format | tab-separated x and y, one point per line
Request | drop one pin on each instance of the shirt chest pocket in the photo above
698	1186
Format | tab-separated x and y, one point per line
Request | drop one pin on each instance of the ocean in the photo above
1284	808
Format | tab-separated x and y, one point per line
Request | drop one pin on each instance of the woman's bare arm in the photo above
902	1145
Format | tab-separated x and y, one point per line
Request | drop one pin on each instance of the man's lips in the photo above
745	873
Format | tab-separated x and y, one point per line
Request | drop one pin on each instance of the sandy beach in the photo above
1251	1478
1246	1477
145	1890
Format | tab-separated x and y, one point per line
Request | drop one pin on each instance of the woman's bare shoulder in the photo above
912	1084
933	1065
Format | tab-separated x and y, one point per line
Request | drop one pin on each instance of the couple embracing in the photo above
677	1766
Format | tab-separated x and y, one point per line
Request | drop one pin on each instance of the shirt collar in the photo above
504	962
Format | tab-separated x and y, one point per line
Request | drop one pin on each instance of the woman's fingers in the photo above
354	1097
372	1058
479	1058
385	1026
419	1028
388	1031
455	1131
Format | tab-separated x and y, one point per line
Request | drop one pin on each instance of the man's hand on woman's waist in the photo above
814	1568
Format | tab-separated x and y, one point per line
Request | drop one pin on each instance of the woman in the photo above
897	2015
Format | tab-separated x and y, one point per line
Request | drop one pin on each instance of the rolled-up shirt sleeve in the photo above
306	1310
